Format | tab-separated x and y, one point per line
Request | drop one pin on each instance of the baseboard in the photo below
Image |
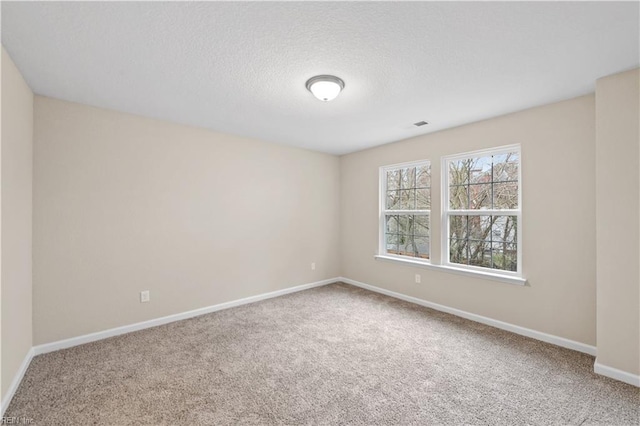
549	338
87	338
614	373
16	380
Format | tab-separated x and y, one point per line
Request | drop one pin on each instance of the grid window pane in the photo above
485	241
505	256
407	199
459	172
489	182
504	229
458	227
405	223
406	245
479	228
506	167
408	178
392	243
480	170
423	199
480	196
393	200
459	197
392	224
505	195
480	253
421	225
423	177
422	247
458	251
393	180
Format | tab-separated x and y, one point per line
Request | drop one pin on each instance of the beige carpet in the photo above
331	355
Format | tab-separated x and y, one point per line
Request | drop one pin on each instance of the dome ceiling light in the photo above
325	87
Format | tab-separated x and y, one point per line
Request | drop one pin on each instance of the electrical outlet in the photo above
145	296
313	266
418	278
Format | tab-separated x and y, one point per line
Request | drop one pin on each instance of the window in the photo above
405	210
482	210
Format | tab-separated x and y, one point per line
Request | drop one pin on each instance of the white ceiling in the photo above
241	68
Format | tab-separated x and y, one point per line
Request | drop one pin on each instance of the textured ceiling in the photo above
241	68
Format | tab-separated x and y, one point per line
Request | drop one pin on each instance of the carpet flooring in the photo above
331	355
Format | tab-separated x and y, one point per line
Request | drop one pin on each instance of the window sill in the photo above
453	270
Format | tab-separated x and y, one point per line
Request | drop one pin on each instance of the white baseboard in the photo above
75	341
614	373
16	381
549	338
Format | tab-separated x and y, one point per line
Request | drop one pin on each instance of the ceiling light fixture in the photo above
325	87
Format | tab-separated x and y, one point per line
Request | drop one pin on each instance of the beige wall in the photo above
17	154
558	160
618	209
124	204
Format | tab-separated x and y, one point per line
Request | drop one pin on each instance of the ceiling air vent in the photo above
420	123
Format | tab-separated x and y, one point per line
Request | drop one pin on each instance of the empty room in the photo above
319	213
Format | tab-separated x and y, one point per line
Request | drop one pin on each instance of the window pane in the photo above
458	227
505	256
422	247
423	199
421	225
392	243
393	179
458	251
480	169
485	241
408	178
480	253
479	228
504	229
392	224
458	197
423	177
405	224
505	167
480	196
459	172
407	199
406	245
505	195
393	200
407	235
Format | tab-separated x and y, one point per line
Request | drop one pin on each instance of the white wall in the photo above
124	203
17	155
558	210
618	211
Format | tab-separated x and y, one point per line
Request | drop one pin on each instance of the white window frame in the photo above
382	188
446	212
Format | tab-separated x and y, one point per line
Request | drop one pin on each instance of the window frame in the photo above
446	212
382	210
